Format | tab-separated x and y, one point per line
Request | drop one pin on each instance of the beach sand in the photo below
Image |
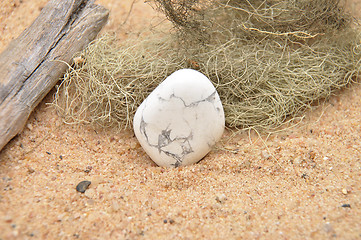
301	183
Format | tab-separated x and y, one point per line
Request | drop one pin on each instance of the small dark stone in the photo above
83	186
304	176
7	179
49	153
171	221
88	169
61	157
346	205
165	220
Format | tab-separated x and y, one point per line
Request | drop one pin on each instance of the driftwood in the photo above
33	63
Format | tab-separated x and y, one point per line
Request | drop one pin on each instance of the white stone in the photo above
180	121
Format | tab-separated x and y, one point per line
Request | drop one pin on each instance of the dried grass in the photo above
269	60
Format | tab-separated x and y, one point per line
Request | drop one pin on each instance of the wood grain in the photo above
33	63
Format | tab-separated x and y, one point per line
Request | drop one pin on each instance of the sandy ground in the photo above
303	183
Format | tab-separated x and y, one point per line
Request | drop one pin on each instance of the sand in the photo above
302	183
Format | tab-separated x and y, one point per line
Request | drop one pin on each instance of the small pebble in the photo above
29	126
88	169
115	206
298	160
304	176
78	61
221	198
344	191
346	205
30	170
83	186
265	154
90	193
8	218
245	164
328	227
133	145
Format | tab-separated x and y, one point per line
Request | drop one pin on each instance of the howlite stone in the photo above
181	120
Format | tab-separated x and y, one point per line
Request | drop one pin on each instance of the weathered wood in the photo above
33	63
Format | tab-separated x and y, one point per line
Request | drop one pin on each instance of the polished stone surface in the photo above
181	120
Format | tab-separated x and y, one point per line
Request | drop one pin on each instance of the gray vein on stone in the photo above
164	138
211	98
142	128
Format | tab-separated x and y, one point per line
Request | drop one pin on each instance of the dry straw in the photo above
269	60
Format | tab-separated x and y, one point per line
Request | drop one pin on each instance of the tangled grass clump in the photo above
269	60
110	82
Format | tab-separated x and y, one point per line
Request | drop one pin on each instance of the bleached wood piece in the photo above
33	63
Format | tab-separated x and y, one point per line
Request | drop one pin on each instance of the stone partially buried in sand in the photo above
180	121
